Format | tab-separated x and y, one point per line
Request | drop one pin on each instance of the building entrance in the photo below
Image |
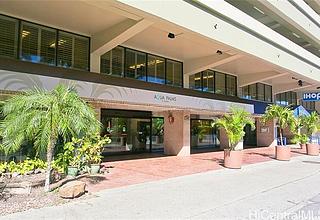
129	131
203	135
132	131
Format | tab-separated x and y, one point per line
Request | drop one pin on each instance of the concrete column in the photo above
177	133
94	63
266	134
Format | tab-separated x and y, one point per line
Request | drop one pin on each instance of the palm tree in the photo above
311	123
43	117
283	115
234	124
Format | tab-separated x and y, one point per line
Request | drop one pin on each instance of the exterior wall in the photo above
266	134
177	134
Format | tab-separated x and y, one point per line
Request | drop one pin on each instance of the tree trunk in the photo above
281	139
50	151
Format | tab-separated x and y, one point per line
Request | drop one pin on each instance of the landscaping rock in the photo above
18	188
29	172
15	174
36	171
72	189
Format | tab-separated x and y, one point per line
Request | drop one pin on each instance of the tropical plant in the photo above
234	124
44	116
311	124
283	115
295	126
93	146
24	167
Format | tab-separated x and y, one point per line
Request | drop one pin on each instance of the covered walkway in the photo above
141	168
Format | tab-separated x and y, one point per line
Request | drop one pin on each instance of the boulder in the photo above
72	189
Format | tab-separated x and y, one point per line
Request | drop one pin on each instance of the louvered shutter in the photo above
65	49
81	53
8	37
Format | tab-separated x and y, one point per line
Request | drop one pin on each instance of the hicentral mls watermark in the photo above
299	215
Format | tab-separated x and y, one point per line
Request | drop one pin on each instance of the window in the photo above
73	51
38	44
105	63
294	98
286	98
8	37
195	81
231	85
208	82
260	91
112	62
220	83
245	92
268	93
174	73
253	91
135	64
156	69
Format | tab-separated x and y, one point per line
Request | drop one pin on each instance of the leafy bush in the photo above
80	153
24	167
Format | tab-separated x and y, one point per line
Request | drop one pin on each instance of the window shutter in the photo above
48	46
81	53
29	42
8	37
65	52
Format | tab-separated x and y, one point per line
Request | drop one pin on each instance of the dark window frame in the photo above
57	35
147	59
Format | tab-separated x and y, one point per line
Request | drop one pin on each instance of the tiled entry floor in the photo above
141	168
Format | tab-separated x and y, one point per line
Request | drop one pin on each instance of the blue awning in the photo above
299	110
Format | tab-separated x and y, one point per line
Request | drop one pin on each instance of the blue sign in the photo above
311	96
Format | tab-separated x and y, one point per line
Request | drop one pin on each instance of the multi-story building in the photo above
159	72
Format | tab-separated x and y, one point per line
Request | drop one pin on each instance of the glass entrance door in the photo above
127	134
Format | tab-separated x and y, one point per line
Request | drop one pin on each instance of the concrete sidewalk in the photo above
256	191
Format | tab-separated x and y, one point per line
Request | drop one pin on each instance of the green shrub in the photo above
24	167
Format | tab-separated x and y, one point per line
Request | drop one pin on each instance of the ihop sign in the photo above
311	96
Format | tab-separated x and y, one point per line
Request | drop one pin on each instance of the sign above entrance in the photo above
311	96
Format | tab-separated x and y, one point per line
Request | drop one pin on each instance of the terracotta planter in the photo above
233	158
303	146
313	149
283	153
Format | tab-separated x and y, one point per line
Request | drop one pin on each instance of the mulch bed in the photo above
36	199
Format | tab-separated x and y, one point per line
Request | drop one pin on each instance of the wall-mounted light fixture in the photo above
170	118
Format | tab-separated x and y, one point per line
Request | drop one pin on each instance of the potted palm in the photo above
284	117
311	123
298	137
234	124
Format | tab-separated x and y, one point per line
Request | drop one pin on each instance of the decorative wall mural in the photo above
14	81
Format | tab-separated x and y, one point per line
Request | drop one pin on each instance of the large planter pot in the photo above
72	171
94	168
283	153
313	149
303	147
233	158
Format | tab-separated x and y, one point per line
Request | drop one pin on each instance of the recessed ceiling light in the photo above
259	10
296	35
